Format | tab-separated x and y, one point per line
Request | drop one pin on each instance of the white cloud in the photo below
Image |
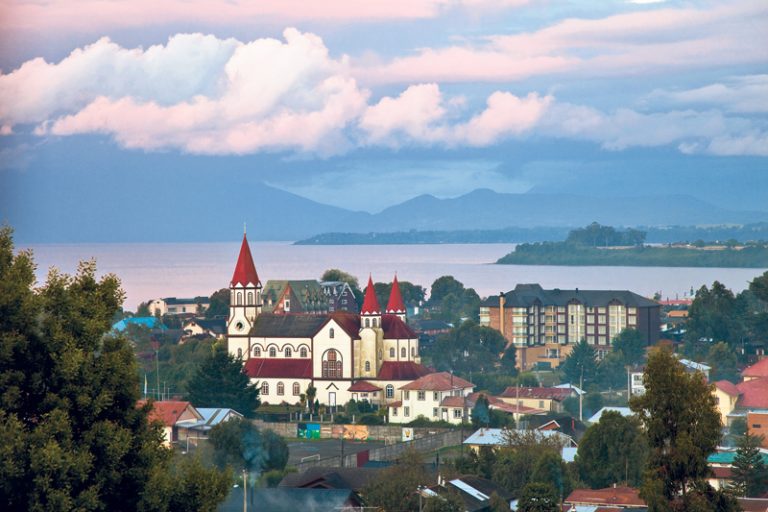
744	94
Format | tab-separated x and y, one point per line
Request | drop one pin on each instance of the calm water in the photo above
184	270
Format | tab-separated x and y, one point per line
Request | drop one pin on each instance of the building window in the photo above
331	333
239	352
406	395
413	351
390	391
457	413
288	352
280	389
394	411
265	388
332	365
435	412
256	351
403	353
435	396
367	366
421	395
380	355
406	411
287	304
367	322
272	352
541	404
391	352
239	298
250	298
296	389
303	352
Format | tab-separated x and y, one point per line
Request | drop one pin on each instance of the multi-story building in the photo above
437	396
543	325
175	306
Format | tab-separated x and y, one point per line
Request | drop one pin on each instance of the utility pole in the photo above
581	395
245	491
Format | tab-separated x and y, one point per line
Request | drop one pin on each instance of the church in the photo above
345	356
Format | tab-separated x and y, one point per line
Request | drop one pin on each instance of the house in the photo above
340	296
436	396
543	325
498	437
305	296
176	306
757	423
636	386
150	322
739	399
614	497
548	399
286	352
624	411
173	415
727	395
215	327
210	417
473	490
757	371
721	464
496	403
753	504
318	477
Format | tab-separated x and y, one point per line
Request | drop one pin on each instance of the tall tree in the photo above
750	473
73	438
221	382
469	348
630	345
714	315
218	304
538	497
580	363
613	450
724	363
680	416
551	469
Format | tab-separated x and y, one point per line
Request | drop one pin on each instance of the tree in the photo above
73	437
612	372
613	450
448	501
580	363
714	315
631	346
469	348
311	393
218	304
221	382
538	497
481	412
750	473
394	489
497	503
722	359
550	469
508	361
680	416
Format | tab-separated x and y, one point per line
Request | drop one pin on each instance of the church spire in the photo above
245	270
395	305
370	303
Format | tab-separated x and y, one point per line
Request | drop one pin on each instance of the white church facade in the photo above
365	356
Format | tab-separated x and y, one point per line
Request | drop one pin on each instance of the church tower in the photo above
244	301
370	314
395	306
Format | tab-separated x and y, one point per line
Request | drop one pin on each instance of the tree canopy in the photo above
451	301
468	348
218	304
221	382
630	345
581	362
394	488
538	497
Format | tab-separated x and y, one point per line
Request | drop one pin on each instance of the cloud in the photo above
645	41
744	94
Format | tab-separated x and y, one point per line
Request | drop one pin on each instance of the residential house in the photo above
727	395
150	322
544	325
759	370
436	396
173	415
750	395
475	492
496	403
318	477
210	417
498	437
548	399
215	327
613	497
757	423
177	306
282	499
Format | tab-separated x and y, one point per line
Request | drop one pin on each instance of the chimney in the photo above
502	301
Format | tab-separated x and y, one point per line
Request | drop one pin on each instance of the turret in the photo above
395	306
244	300
370	314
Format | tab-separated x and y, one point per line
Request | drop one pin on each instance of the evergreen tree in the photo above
750	473
221	382
630	344
538	497
580	362
481	412
550	469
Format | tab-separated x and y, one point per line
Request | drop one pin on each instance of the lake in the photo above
188	269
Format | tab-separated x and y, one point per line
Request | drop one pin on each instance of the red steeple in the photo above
395	304
370	303
245	270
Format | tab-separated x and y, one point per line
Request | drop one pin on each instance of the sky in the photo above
363	105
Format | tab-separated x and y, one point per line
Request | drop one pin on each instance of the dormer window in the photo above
331	333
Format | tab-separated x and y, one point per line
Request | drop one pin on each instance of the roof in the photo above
624	411
454	401
609	496
307	295
442	381
217	325
171	301
525	295
568	385
149	322
168	412
245	270
693	365
258	367
754	394
271	325
727	457
282	499
370	302
558	394
396	329
753	504
364	386
727	387
678	313
401	370
395	304
331	478
498	436
759	369
349	322
475	491
498	403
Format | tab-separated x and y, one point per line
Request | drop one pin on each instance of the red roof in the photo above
557	394
265	368
609	496
497	403
754	394
350	322
453	401
727	387
370	303
722	472
166	412
245	270
442	381
364	386
405	370
395	304
759	369
396	329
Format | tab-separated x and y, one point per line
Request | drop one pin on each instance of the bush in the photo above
371	419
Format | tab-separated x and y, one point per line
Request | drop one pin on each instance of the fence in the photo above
329	431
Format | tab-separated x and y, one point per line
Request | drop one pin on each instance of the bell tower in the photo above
244	301
370	314
395	306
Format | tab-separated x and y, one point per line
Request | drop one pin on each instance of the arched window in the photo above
239	298
367	322
296	389
303	352
390	391
413	351
264	388
373	321
280	389
332	365
288	352
367	366
331	333
391	352
256	351
403	353
250	298
272	352
239	352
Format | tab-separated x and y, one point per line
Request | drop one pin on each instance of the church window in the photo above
256	351
331	333
373	321
390	391
239	352
239	298
403	353
280	389
413	351
288	352
296	389
332	365
367	322
391	352
272	352
250	298
367	366
303	352
264	388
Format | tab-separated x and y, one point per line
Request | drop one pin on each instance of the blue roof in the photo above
727	457
147	321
